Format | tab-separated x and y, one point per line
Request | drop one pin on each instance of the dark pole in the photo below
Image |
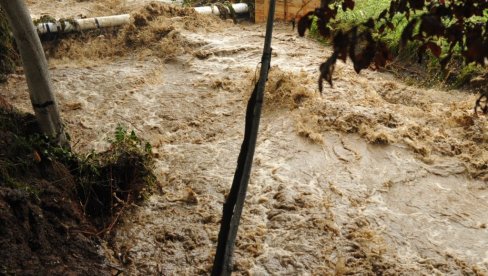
235	201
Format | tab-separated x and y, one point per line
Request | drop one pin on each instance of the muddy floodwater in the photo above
371	177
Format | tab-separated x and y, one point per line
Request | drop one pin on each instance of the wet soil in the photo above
372	177
42	225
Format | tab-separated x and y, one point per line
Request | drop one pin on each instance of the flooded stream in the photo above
372	177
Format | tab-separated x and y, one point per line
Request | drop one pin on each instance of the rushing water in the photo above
372	177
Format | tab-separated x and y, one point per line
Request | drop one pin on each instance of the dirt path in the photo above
371	177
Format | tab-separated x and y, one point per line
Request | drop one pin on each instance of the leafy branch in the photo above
461	25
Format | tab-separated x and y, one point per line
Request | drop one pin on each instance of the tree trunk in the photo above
36	71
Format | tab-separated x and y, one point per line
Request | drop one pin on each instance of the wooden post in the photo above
36	70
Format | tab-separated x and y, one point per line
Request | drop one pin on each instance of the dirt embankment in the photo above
56	206
372	177
42	224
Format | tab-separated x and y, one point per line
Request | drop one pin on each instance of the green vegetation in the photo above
109	180
456	74
363	10
104	183
54	200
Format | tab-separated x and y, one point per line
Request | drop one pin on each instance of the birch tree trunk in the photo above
36	70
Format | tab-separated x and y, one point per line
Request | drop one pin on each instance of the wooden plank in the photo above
286	10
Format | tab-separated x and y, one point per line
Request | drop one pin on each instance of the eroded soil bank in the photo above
372	177
42	224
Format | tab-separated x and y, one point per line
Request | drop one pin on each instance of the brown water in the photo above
371	177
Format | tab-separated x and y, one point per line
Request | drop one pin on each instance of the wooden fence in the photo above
286	10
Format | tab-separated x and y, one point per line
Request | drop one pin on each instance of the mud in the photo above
42	225
372	177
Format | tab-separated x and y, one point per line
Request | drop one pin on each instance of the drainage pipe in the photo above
238	8
66	26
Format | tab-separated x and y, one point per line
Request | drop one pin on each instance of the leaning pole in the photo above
36	70
233	206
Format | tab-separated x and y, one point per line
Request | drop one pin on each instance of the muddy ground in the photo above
42	225
372	177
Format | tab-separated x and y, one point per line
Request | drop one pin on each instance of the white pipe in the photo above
117	20
208	10
83	24
238	8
